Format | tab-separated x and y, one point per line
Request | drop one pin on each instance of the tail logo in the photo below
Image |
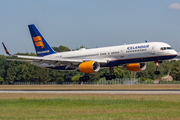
38	41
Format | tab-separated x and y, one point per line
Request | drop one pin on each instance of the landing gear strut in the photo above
157	67
110	77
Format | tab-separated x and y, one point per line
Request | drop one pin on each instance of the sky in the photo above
92	23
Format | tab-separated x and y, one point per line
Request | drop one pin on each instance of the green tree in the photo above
1	80
11	72
56	76
28	54
175	71
61	48
121	73
76	77
69	74
3	66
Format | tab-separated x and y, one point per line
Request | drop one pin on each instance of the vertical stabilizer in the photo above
40	44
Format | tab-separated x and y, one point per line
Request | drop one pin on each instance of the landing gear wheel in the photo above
84	78
107	77
87	78
157	72
110	77
81	79
113	77
157	67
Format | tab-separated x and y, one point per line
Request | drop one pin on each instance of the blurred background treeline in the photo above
13	71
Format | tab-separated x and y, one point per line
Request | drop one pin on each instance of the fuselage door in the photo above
153	50
123	52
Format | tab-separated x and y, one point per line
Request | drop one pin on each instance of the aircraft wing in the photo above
20	60
57	61
50	60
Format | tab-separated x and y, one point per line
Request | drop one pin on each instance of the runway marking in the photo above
92	92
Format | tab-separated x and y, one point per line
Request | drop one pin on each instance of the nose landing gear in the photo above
157	67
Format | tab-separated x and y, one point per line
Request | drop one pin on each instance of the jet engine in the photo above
89	67
135	67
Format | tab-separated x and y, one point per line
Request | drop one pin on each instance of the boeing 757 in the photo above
132	56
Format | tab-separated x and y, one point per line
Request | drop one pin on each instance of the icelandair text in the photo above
137	47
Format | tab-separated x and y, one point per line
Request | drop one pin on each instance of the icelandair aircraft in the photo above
133	56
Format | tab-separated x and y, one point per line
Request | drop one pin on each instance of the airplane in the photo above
132	57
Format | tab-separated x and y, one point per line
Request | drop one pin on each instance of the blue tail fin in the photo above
40	44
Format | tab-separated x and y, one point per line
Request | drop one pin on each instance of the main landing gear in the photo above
84	78
110	77
157	67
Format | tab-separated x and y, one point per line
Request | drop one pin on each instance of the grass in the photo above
89	107
90	87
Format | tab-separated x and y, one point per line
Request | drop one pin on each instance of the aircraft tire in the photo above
110	77
107	77
84	78
80	79
113	77
157	72
87	78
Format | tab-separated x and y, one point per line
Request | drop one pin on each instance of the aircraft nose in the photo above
174	52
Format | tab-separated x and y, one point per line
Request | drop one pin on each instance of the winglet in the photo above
6	50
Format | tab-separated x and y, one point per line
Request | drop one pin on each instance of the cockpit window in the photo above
165	48
169	48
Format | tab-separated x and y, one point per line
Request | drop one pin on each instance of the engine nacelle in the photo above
135	67
89	67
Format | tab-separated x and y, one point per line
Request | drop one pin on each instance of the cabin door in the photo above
122	52
153	50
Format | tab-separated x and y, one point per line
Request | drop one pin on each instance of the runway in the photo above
91	91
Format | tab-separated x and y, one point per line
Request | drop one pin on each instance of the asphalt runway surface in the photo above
92	91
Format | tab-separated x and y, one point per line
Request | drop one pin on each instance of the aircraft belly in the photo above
136	60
